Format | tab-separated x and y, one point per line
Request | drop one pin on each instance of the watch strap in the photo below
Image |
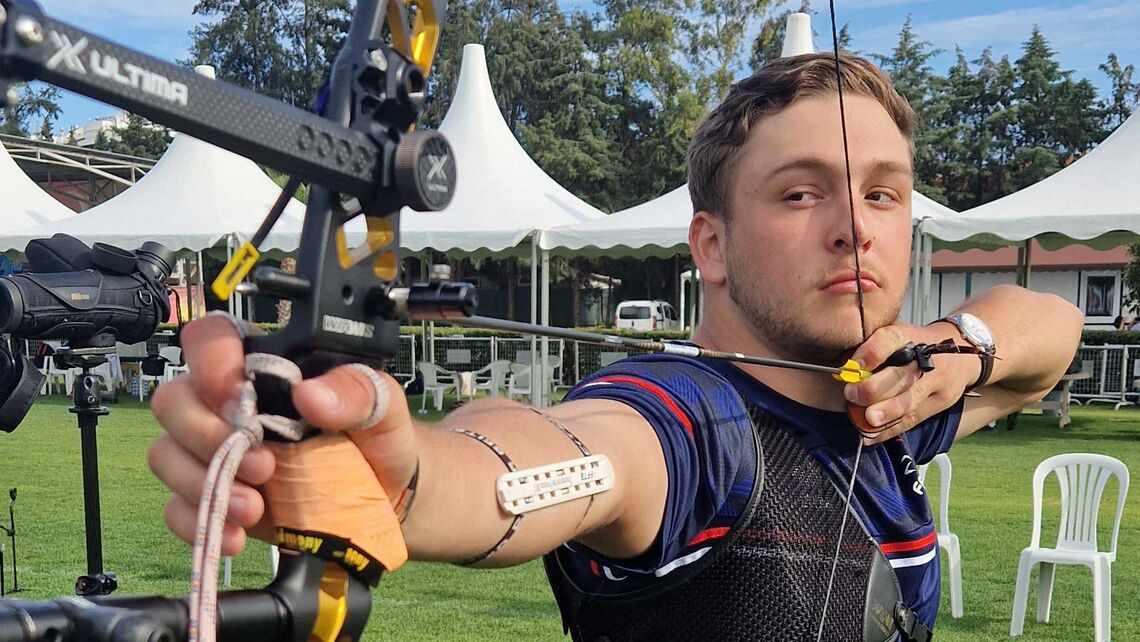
986	356
987	369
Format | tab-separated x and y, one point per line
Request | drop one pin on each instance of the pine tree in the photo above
1057	118
909	67
1124	94
38	101
279	48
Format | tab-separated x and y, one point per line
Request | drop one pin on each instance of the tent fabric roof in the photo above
501	195
25	204
196	195
660	227
1095	200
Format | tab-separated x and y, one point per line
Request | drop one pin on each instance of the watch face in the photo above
975	330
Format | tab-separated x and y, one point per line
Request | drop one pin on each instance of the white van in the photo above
646	315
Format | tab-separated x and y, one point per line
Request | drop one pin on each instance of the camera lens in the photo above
155	259
11	306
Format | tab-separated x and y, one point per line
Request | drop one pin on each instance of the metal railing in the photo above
1113	371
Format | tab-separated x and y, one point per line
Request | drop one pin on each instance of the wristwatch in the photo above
977	334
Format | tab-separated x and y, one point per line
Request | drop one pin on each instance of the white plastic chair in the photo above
103	370
553	363
1082	477
174	365
173	356
947	540
518	384
53	374
436	381
491	378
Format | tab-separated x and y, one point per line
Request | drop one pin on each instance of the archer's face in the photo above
789	250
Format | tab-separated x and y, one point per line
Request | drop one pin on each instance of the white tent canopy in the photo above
196	195
1095	200
656	227
25	204
660	227
501	195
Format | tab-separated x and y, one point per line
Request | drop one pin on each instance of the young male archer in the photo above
726	514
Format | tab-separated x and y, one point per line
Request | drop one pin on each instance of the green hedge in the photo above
1110	337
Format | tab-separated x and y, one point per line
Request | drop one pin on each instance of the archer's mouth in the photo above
845	282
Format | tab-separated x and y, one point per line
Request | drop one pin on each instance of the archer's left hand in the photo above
902	397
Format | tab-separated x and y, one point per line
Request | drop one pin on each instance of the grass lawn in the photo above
991	514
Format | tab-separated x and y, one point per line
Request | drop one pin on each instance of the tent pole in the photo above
544	393
534	374
927	268
1024	262
229	257
201	282
682	303
915	270
698	299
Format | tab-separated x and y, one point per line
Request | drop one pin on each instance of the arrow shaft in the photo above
661	347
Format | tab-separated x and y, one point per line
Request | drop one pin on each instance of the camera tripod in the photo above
10	531
87	405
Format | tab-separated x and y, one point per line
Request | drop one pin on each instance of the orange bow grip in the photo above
325	500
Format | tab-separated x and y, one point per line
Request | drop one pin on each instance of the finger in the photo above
899	414
182	519
892	430
880	345
185	476
343	398
215	358
890	410
887	383
200	430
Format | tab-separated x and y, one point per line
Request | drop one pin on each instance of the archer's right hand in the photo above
192	409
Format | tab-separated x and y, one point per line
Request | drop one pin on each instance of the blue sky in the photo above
1082	31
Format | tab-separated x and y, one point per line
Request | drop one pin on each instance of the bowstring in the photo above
855	244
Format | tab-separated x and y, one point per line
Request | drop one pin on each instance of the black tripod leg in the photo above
88	410
12	537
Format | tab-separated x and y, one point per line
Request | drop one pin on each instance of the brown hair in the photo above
715	148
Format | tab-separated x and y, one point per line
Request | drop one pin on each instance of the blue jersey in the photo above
698	410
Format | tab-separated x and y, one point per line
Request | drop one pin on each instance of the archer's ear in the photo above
707	244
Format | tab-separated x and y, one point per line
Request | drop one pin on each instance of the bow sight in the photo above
362	157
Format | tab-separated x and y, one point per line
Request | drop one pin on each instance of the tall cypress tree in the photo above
914	78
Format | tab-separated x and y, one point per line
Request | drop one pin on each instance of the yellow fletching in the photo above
236	270
851	372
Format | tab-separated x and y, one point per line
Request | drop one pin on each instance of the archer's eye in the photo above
802	197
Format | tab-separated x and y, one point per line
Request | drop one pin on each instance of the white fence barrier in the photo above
1113	374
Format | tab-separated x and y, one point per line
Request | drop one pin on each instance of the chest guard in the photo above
766	579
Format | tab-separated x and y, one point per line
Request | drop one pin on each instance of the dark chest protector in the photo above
766	579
